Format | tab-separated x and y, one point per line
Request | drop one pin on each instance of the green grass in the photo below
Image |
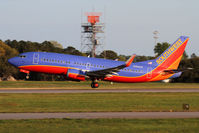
95	102
86	85
100	126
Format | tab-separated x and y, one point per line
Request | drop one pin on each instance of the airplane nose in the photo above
12	61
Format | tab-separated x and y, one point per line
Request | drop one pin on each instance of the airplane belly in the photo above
126	79
46	69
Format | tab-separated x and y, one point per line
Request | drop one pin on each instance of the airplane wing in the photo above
113	70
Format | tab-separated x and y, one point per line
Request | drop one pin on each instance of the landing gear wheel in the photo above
94	85
27	77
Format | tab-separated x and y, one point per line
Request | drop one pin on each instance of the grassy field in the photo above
86	85
100	126
95	102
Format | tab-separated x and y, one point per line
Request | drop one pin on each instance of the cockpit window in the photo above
22	56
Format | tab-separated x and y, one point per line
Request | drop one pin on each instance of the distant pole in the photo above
155	36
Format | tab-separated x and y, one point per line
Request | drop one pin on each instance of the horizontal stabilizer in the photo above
172	71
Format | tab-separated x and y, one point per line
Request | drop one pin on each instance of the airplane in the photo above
81	68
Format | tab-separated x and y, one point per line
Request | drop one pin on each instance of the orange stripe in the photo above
173	66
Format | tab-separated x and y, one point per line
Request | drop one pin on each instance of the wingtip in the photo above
130	60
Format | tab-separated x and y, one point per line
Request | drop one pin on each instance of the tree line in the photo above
12	48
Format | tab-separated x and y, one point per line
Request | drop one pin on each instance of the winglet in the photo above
130	60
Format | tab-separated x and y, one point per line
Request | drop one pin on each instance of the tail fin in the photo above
171	57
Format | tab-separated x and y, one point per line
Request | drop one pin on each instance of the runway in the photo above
93	90
94	115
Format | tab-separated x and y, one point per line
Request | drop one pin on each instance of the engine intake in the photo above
75	74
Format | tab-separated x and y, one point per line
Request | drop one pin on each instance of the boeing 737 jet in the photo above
80	68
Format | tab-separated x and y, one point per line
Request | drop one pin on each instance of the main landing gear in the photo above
94	84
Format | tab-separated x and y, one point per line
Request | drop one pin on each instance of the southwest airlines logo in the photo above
169	52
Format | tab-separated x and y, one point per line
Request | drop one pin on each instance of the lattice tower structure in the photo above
92	34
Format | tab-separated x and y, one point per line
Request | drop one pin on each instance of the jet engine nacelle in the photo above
75	74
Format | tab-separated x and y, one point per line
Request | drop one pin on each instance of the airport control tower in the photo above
92	34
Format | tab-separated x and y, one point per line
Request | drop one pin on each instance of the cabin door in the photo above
149	72
36	58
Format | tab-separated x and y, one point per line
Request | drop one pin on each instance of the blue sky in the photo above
129	23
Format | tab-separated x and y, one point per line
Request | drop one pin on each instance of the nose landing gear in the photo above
27	73
27	76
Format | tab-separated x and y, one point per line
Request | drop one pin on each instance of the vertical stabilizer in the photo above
171	57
